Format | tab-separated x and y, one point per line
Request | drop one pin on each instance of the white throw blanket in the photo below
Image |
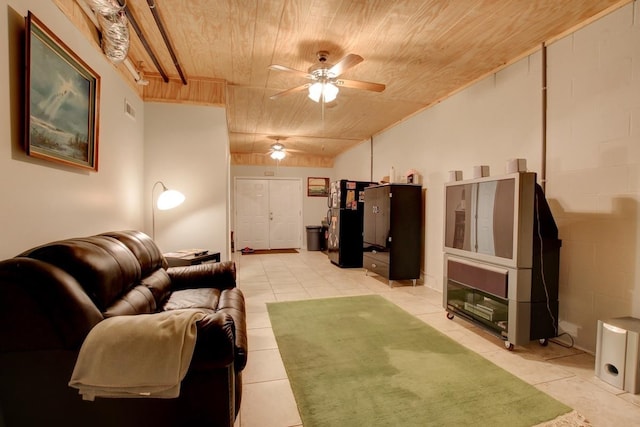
145	355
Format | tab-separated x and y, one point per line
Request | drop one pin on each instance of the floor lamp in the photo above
168	199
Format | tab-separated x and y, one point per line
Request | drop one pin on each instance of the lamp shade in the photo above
330	92
169	199
315	90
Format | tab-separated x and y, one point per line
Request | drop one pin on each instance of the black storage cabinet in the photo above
392	231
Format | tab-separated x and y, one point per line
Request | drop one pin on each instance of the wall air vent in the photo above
129	110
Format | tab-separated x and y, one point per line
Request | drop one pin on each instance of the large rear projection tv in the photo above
485	219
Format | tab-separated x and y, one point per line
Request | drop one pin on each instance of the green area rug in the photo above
362	361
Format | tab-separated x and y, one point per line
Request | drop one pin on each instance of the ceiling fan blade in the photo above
351	60
277	67
289	91
357	84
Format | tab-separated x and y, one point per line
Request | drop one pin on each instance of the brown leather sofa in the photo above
51	296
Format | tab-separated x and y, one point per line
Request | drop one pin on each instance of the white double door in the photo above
268	213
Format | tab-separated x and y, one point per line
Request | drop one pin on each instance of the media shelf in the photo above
491	311
502	256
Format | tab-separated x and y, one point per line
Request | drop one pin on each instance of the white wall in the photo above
314	209
593	180
355	164
41	200
187	148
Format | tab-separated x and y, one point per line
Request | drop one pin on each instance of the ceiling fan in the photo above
325	79
277	150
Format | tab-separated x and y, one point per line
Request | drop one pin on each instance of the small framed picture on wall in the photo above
317	187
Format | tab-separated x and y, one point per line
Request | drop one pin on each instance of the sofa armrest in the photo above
214	343
42	307
219	275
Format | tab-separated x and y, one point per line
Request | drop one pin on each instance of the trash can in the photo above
313	237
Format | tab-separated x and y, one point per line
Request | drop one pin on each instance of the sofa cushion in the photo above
159	284
206	298
103	266
138	300
143	247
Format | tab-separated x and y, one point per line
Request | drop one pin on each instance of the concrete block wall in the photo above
593	175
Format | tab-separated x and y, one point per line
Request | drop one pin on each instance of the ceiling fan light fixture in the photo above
278	155
315	90
328	91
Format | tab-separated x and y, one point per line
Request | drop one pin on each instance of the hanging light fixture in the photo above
326	90
277	152
278	155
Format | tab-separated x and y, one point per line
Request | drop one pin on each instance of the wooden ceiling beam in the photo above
143	39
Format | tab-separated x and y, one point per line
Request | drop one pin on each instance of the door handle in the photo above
270	216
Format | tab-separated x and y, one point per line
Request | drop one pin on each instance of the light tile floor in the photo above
567	374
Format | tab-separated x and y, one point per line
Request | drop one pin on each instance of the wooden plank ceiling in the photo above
422	50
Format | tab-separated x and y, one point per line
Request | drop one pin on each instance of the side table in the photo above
182	258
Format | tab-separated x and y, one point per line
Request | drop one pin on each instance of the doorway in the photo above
268	213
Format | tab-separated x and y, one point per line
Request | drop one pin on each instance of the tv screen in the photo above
480	217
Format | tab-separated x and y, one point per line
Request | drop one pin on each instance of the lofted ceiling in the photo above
422	50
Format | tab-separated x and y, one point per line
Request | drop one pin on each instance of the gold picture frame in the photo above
62	101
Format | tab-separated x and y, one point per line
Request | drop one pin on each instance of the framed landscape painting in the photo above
62	98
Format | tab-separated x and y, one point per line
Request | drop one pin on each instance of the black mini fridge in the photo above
345	222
